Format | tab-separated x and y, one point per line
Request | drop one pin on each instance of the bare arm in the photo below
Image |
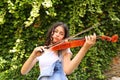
31	61
90	41
27	66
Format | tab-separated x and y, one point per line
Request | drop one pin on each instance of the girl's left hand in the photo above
90	40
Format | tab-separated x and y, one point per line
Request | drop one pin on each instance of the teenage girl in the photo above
55	65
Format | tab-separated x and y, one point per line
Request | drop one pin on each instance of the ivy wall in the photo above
24	23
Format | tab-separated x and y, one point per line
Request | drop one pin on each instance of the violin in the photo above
75	42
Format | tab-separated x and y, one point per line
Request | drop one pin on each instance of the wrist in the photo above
87	46
33	55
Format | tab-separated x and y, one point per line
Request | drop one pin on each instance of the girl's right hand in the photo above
38	51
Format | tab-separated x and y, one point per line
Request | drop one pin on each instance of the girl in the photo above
55	65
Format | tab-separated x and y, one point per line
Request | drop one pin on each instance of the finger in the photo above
94	37
86	38
66	40
94	34
42	49
46	47
91	37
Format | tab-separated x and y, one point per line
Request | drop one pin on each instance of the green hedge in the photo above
24	23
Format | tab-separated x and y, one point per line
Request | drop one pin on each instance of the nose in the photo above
57	34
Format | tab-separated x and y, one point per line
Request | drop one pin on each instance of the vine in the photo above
24	23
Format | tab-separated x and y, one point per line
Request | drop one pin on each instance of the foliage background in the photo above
24	23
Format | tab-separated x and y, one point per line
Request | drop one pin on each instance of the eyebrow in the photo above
60	31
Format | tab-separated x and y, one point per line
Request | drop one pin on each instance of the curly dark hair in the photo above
51	30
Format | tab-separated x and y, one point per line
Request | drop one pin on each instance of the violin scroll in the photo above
114	38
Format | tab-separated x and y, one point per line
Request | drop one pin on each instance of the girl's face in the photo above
58	34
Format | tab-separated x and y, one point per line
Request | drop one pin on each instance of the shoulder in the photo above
67	52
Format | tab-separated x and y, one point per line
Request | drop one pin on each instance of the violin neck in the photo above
82	38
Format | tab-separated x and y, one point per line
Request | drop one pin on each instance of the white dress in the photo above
51	66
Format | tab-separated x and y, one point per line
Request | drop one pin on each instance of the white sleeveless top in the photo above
48	58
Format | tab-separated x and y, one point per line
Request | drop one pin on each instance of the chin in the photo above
55	41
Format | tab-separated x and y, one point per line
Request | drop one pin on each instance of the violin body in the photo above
70	44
